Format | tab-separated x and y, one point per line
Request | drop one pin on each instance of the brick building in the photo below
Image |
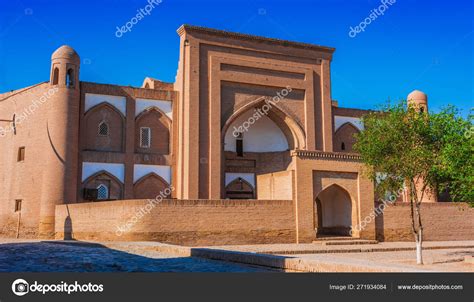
247	118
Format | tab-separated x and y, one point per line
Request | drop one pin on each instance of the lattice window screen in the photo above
145	137
102	192
103	129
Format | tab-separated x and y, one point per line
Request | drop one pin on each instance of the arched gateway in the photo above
334	211
257	139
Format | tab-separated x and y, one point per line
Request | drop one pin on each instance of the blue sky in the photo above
425	45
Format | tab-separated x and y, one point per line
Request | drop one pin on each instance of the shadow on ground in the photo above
79	256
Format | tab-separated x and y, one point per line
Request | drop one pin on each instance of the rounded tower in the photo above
418	100
61	132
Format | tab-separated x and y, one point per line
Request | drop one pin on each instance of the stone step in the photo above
331	238
350	242
346	242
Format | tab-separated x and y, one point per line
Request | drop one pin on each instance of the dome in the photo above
417	96
66	52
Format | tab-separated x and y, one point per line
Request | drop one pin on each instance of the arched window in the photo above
103	129
70	78
55	76
102	192
343	146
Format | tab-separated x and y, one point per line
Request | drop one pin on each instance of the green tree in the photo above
403	147
455	141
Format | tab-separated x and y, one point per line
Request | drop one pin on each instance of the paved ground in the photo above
316	248
77	256
37	256
439	260
439	256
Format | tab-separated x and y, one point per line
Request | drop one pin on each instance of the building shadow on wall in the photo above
68	234
82	256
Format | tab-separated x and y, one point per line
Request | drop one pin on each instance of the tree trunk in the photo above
419	250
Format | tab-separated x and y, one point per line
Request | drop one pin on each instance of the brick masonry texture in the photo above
441	221
186	222
220	76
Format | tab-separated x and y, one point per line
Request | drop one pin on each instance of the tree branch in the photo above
412	187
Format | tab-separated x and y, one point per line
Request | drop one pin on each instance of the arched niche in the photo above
115	121
267	126
334	211
239	188
150	186
104	178
345	137
159	125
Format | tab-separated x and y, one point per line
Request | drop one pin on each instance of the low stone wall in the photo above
441	222
184	222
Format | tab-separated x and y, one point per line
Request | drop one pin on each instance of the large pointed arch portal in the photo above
256	140
292	130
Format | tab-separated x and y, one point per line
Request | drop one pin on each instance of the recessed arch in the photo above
334	207
104	178
92	99
70	78
105	104
159	131
262	135
150	186
156	109
115	120
348	124
102	172
239	188
55	76
288	125
344	137
341	120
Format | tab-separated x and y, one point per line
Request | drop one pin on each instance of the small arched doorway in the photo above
334	212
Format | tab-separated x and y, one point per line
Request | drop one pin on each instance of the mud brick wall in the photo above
186	222
441	221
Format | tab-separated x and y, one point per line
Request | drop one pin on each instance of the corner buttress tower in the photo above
419	100
59	183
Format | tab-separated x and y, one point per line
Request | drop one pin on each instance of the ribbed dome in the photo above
417	96
66	52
